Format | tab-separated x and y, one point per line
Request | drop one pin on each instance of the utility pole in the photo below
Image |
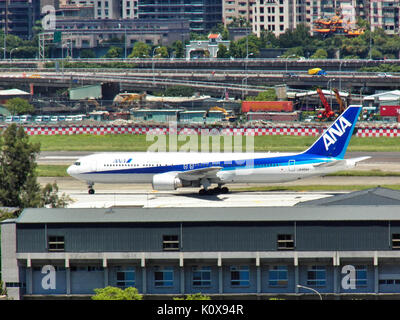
5	31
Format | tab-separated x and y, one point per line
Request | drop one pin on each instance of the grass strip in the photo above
131	142
314	188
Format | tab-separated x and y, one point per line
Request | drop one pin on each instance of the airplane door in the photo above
292	164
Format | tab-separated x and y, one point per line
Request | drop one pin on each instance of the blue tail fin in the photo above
334	141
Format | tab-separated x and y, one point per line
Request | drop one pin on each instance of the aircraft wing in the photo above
197	174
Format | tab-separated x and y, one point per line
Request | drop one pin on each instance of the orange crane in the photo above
342	105
327	114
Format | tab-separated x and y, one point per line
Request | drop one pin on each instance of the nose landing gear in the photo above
90	190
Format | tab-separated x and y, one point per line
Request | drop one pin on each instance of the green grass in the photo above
315	188
366	173
52	171
127	142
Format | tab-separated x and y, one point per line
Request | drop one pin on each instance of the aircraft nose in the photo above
71	170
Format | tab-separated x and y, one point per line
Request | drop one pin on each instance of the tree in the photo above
113	293
222	51
19	106
268	95
161	52
320	54
140	50
49	197
114	52
179	49
18	176
87	53
196	296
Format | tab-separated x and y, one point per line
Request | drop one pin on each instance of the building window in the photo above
170	242
240	276
285	242
126	277
396	241
316	276
361	276
201	276
164	277
278	276
56	243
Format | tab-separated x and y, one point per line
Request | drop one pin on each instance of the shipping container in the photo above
389	111
254	106
272	116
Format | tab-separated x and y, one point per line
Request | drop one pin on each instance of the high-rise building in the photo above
277	15
235	10
17	17
202	15
385	14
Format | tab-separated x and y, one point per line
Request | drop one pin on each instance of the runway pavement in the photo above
117	195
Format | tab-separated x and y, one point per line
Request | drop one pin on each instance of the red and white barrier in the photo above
203	130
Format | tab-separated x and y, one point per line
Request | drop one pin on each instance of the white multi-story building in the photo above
385	14
129	9
107	9
277	15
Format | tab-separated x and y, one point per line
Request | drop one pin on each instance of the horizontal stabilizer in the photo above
330	164
354	161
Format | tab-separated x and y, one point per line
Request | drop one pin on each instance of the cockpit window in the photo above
77	163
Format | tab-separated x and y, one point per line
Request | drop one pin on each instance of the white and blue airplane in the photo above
172	170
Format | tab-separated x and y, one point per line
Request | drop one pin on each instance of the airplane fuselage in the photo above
140	167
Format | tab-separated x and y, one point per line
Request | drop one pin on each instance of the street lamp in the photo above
304	287
330	88
12	51
152	64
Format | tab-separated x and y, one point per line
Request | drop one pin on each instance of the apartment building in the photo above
385	14
277	16
203	15
236	10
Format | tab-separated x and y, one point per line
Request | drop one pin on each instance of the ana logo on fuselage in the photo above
337	130
120	161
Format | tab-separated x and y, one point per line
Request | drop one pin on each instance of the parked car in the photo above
70	118
54	119
384	75
25	118
9	119
61	118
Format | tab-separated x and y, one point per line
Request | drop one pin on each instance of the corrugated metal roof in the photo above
376	196
201	214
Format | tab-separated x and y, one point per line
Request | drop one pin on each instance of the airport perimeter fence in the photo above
282	129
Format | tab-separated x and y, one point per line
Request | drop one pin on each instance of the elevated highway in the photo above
218	64
215	82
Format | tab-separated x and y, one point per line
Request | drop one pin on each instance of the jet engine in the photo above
166	181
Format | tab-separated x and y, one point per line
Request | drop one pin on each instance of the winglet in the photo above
334	141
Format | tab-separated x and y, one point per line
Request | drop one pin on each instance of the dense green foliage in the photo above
19	106
113	293
18	173
196	296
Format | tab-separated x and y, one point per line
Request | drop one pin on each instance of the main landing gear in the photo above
217	190
90	190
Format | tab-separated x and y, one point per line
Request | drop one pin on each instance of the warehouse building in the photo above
340	251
